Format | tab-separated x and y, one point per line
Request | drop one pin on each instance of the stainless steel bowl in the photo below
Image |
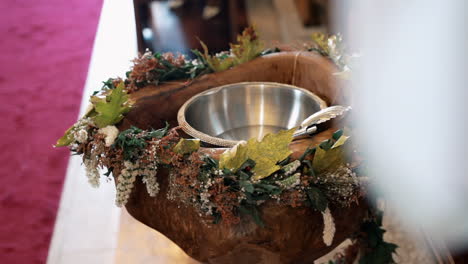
225	115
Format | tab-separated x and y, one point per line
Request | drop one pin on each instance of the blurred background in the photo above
176	25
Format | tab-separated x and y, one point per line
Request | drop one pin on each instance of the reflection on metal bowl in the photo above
225	115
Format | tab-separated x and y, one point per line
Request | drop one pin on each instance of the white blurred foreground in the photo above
411	104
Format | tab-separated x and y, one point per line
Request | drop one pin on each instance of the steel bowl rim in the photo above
187	128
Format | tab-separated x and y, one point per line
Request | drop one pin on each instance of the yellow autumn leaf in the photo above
215	63
248	46
329	160
321	40
185	146
266	153
340	141
234	157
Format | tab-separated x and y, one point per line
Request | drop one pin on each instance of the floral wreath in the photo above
242	179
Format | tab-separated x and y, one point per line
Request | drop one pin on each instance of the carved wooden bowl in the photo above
291	235
224	115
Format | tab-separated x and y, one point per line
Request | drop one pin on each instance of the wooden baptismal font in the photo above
289	235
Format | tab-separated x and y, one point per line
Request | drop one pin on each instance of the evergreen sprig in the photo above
377	250
133	140
170	72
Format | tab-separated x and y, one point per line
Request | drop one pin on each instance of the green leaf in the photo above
233	158
133	140
247	164
243	176
209	163
253	212
267	153
252	198
337	134
284	162
110	110
109	84
159	133
186	146
328	160
327	144
66	139
290	181
330	154
377	250
217	64
381	254
247	185
272	149
342	139
248	46
226	171
317	198
307	152
267	188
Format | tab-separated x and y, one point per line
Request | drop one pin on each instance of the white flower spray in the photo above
150	180
125	182
91	162
92	171
80	130
328	227
290	168
131	170
149	173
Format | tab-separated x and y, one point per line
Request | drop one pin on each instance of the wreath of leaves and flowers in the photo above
244	177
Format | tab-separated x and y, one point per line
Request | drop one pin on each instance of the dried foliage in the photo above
374	249
226	189
151	68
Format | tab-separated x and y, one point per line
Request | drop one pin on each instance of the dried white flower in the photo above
291	167
341	184
152	185
125	183
290	182
92	172
218	172
328	227
127	178
111	133
172	193
80	130
81	135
